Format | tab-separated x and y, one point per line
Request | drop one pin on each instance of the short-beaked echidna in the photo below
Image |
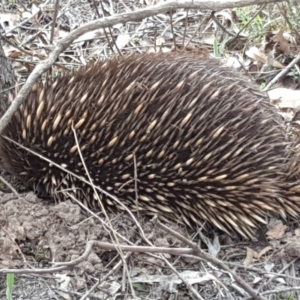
196	139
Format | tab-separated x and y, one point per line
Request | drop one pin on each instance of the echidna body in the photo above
168	134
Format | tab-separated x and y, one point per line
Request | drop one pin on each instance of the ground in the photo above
37	234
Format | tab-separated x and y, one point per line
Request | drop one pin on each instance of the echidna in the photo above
170	134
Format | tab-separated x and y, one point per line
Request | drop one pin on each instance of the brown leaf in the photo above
263	251
283	44
249	257
277	232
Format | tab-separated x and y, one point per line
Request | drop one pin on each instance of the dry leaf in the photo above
259	56
256	55
83	38
233	62
12	52
8	20
263	251
249	257
285	98
209	39
271	61
283	44
256	280
277	232
160	41
122	40
227	15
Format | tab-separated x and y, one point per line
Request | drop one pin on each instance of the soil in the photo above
36	235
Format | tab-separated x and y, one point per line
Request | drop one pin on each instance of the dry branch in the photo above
213	260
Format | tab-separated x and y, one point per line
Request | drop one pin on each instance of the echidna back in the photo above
197	140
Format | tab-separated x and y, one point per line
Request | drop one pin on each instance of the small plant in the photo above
10	278
289	297
216	48
271	18
256	28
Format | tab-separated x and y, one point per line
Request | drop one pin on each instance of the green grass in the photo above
10	279
271	18
289	297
